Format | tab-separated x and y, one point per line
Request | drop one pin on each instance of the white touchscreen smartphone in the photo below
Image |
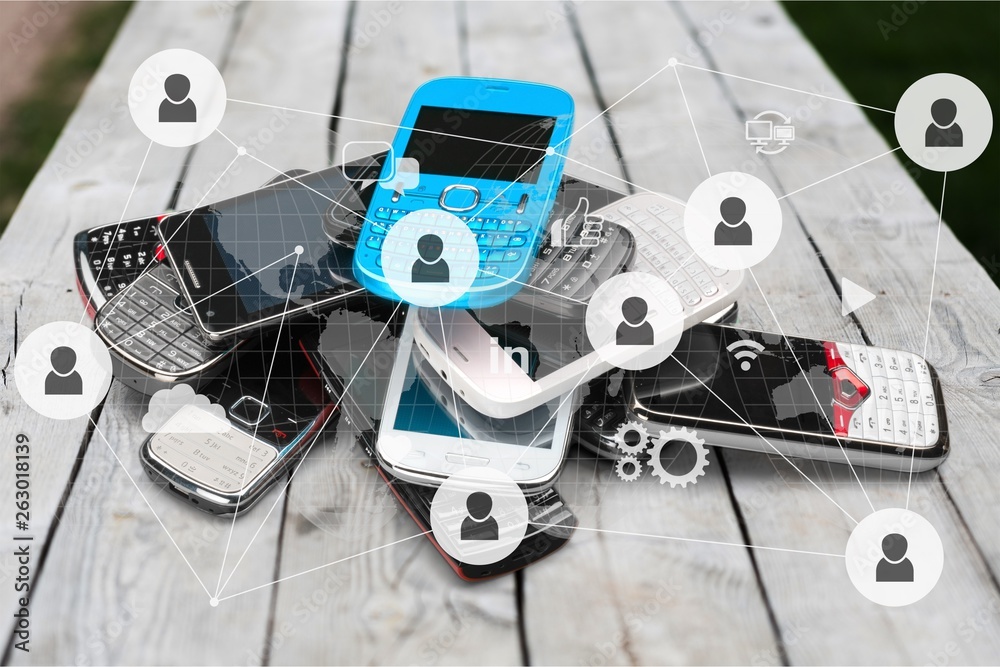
427	432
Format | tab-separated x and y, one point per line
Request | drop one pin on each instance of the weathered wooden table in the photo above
318	583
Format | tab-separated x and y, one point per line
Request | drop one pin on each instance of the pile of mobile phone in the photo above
279	306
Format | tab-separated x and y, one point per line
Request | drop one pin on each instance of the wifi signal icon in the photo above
747	350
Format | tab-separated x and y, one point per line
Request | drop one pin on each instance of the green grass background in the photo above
875	58
35	121
877	63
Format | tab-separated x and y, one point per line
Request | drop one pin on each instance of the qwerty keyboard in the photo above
109	258
657	225
148	322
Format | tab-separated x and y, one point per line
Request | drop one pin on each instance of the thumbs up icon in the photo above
589	233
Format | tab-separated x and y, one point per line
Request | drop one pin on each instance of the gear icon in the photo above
632	427
628	476
691	476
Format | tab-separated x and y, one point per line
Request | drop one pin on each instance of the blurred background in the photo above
877	49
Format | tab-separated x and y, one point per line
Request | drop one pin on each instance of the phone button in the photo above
249	411
848	388
466	460
459	197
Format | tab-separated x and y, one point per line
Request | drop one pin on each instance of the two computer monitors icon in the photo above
760	132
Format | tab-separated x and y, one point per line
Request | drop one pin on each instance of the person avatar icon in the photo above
733	230
894	566
479	525
430	268
178	107
63	380
944	132
635	330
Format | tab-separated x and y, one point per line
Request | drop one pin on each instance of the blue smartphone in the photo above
487	152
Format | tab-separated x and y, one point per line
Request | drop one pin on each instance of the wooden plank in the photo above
891	252
626	604
500	35
86	180
135	567
402	603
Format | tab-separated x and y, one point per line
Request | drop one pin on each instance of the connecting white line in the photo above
114	236
622	180
320	567
691	118
152	264
260	418
775	85
569	395
308	449
930	304
768	442
812	390
307	187
155	515
843	171
620	99
396	127
203	299
689	539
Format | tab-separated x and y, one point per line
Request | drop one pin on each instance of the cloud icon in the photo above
180	410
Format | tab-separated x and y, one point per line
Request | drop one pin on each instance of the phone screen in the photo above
359	345
765	386
493	145
428	405
243	259
818	389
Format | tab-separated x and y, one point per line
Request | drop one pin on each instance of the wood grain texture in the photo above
86	180
645	598
892	252
401	603
114	588
137	571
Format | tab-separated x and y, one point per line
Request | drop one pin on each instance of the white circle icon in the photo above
943	122
62	370
733	220
894	557
479	516
634	320
429	257
177	97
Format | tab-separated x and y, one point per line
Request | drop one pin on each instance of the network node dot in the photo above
214	602
242	150
550	151
299	250
672	62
